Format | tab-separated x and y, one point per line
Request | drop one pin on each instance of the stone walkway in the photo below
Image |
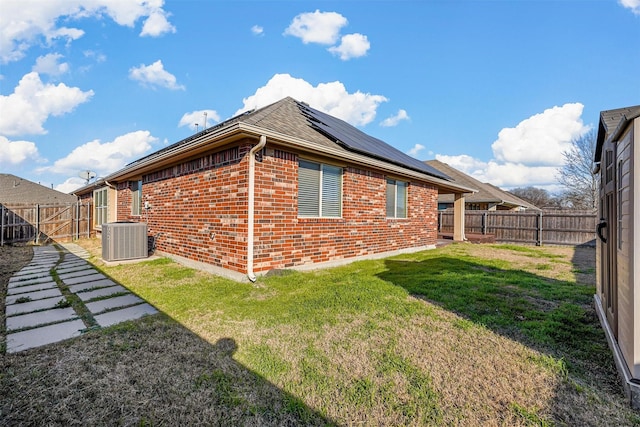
37	311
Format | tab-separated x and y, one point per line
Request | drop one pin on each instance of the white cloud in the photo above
157	24
257	30
16	152
415	150
50	64
32	102
104	158
317	27
464	163
529	154
332	98
70	185
351	46
99	57
634	5
394	120
190	119
542	138
27	22
154	75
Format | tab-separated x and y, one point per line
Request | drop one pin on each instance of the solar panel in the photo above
354	139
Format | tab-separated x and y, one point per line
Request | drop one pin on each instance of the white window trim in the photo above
395	199
103	207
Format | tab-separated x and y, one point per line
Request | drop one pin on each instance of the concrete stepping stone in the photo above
84	278
61	268
47	293
31	306
87	271
32	270
91	285
48	249
17	283
130	313
71	269
43	262
15	290
102	292
37	337
75	261
116	302
29	277
72	258
75	249
40	318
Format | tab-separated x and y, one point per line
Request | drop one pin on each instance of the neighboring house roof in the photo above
485	193
611	123
16	190
293	124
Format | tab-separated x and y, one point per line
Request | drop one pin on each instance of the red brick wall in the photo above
284	240
123	210
201	214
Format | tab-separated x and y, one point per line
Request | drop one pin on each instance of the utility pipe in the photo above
250	205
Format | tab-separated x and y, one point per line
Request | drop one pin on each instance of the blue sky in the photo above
497	89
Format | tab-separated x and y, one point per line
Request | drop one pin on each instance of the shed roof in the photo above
16	190
485	192
295	124
612	122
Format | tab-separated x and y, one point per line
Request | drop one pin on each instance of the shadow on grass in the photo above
552	316
150	371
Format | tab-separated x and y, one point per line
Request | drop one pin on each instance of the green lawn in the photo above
461	335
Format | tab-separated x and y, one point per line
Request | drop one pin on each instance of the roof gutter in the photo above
251	205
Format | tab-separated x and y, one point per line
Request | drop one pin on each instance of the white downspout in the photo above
250	205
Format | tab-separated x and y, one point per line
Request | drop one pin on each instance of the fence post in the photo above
37	224
76	221
439	221
2	227
539	242
484	223
88	220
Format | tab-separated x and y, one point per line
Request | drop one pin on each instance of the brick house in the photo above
488	197
284	186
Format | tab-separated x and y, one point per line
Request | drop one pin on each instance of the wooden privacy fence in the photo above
552	227
43	223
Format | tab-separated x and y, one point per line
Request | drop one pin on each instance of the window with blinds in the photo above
136	198
319	190
396	199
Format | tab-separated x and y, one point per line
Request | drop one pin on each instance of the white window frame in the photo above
321	190
101	206
392	184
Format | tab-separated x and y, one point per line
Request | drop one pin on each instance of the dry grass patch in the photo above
465	335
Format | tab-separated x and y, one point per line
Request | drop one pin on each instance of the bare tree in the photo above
538	197
576	176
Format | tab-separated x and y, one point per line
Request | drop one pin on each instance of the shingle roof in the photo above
487	193
290	117
610	122
15	190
